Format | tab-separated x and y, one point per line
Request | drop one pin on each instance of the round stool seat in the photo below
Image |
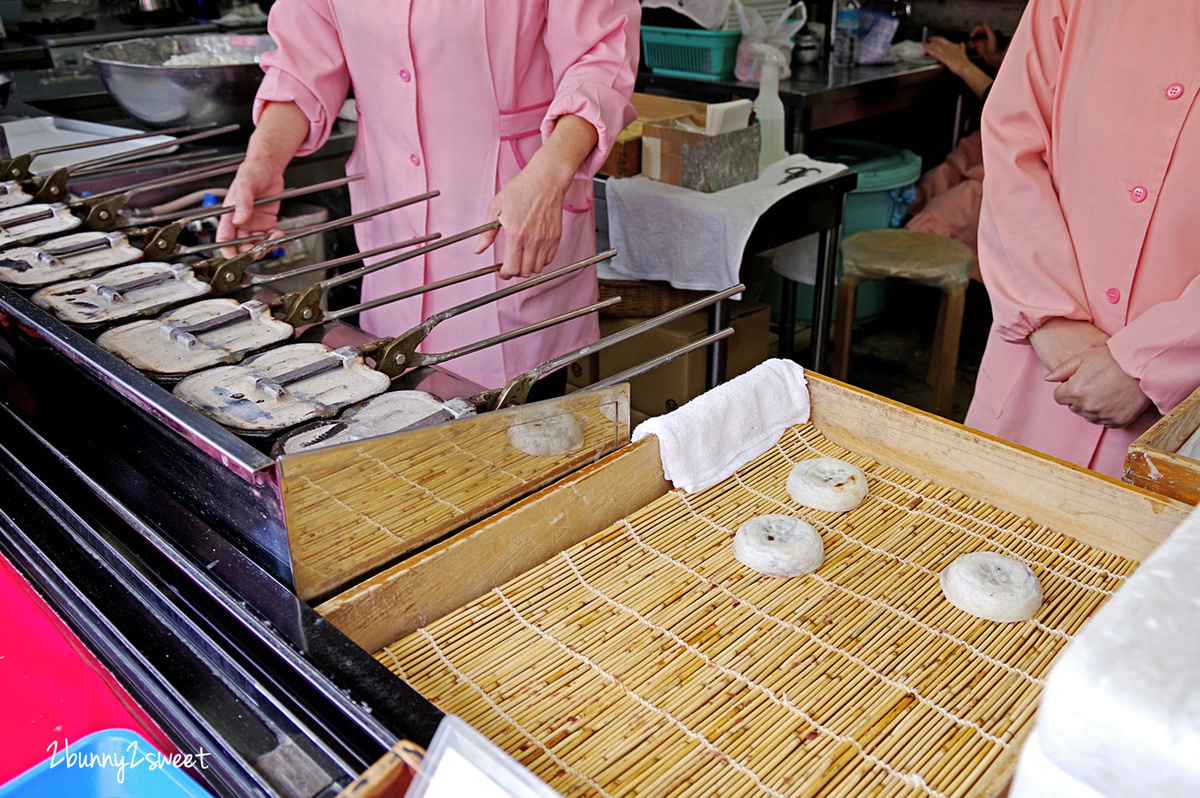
923	258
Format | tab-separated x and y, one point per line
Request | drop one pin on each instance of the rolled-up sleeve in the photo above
593	46
308	67
1025	251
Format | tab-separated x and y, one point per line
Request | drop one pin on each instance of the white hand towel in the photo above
718	432
692	239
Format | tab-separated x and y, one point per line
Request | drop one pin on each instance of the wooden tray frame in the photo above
1153	461
1100	511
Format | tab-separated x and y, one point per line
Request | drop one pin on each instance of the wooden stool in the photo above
924	259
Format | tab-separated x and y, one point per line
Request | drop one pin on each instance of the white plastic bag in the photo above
778	33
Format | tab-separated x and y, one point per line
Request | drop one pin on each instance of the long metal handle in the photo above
209	170
637	329
263	279
437	318
517	388
433	359
636	371
192	214
267	246
140	151
416	253
133	136
334	315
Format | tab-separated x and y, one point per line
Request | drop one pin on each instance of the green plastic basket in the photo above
695	54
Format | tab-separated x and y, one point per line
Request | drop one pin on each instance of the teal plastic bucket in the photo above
885	188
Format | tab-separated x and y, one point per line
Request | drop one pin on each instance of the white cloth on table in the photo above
691	239
721	430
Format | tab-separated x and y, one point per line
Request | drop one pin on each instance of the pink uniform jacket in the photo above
1091	145
455	96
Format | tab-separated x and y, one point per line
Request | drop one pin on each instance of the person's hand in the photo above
529	209
254	179
1095	388
1058	340
952	56
983	41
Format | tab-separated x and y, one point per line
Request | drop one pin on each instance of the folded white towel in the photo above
718	432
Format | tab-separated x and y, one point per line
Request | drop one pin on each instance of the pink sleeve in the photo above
1161	349
593	47
1025	251
308	68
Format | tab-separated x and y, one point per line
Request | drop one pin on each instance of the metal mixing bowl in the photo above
167	96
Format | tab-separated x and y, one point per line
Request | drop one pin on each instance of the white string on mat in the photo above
458	674
395	661
884	552
484	460
1096	569
829	647
608	677
418	486
911	779
358	513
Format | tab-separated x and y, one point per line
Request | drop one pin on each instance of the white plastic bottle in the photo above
768	108
845	32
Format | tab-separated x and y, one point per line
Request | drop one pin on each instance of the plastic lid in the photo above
879	166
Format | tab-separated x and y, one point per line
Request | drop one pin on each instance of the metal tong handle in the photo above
192	215
22	170
487	299
400	352
225	166
441	242
263	279
304	307
140	151
227	273
423	359
334	224
636	371
517	389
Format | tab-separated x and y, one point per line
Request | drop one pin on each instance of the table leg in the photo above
718	351
787	318
823	297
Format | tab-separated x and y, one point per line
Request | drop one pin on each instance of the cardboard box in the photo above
670	385
677	151
625	158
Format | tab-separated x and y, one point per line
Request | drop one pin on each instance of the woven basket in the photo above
644	297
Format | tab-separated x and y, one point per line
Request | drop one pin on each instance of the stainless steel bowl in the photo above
133	71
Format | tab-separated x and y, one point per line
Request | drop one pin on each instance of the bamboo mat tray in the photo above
647	661
357	507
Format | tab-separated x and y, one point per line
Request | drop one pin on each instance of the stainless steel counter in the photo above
819	96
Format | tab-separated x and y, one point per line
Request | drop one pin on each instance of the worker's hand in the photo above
1094	387
983	41
952	56
1058	340
529	209
253	179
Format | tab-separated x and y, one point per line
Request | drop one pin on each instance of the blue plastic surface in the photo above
113	763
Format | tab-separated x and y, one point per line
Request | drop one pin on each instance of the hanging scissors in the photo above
794	172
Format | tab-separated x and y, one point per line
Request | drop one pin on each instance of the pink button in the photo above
1138	194
416	159
406	76
1113	296
1174	91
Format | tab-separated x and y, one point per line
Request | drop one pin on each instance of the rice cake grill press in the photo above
646	660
